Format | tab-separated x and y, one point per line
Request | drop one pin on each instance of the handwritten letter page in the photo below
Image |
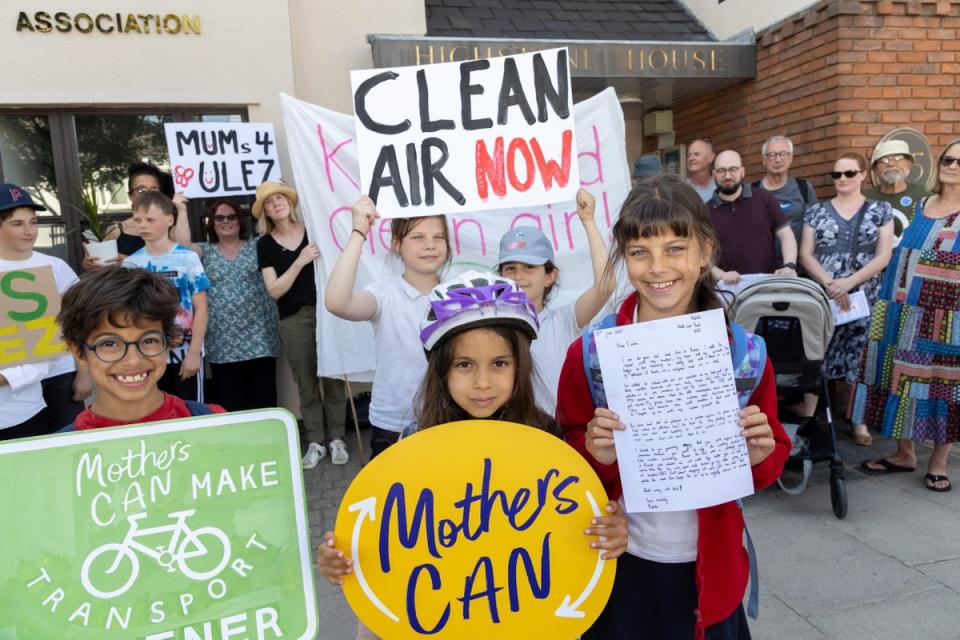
671	382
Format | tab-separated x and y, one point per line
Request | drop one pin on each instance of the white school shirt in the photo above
22	396
65	278
558	328
401	363
667	536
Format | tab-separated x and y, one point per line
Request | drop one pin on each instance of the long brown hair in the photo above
662	202
434	405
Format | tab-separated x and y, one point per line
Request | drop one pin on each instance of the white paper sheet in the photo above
671	382
859	308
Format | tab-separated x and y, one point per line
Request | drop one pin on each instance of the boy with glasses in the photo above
891	164
119	325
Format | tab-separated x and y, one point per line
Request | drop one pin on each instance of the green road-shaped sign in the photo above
192	528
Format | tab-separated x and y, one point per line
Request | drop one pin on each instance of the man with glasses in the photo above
890	164
793	194
748	223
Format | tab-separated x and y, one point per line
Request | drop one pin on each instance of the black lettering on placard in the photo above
431	171
511	94
558	97
360	107
467	90
387	160
426	124
192	139
413	170
263	139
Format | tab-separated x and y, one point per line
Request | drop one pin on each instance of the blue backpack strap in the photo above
198	408
591	362
748	353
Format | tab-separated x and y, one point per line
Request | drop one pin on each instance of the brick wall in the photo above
835	78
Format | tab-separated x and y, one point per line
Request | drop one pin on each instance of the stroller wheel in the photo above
838	497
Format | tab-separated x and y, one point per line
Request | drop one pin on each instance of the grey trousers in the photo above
323	401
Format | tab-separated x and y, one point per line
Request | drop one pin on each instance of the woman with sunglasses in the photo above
242	341
910	376
846	243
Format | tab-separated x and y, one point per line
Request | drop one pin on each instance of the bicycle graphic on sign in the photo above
186	550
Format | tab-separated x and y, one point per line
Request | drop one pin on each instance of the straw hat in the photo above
886	148
267	189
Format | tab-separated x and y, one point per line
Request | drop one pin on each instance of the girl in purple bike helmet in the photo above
477	337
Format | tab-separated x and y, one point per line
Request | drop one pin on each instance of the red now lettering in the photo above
549	170
494	171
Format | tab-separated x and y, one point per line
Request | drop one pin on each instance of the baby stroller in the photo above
794	317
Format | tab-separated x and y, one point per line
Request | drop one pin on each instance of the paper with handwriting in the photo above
671	382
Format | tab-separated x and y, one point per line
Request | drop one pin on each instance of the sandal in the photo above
930	480
886	467
861	439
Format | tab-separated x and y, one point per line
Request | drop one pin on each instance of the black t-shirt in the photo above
303	291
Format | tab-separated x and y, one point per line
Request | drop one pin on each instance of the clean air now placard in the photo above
192	528
468	136
475	530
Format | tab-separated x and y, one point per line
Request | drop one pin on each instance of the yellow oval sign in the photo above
474	529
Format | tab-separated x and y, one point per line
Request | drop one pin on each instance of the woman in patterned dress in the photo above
242	342
910	375
844	264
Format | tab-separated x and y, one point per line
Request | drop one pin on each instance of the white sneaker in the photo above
338	452
315	453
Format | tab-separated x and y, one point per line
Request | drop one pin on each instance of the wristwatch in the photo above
789	265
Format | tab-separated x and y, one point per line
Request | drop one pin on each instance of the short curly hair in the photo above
122	297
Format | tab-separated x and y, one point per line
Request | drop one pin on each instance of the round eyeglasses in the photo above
112	349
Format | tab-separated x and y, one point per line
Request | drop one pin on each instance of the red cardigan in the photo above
722	564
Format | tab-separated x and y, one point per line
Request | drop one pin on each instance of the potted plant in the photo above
94	235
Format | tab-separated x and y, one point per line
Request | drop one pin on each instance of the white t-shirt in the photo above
65	278
558	328
668	537
401	363
22	396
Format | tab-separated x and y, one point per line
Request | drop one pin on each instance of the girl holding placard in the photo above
526	256
685	572
395	309
477	337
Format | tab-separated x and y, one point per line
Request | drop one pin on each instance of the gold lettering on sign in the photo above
42	22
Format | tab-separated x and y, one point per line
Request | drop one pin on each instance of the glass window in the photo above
26	159
108	144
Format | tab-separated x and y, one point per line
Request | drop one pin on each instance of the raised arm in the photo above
592	300
340	299
181	230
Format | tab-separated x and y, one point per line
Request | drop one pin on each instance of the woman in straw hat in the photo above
285	256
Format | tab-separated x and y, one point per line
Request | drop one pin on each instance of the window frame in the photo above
66	154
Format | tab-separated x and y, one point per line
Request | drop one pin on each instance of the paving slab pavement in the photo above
889	570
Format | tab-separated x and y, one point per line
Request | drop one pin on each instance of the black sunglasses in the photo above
949	161
849	173
225	217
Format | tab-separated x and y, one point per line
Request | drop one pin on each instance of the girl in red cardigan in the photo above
684	573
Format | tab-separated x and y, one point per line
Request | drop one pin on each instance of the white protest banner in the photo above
671	382
323	154
212	159
467	136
